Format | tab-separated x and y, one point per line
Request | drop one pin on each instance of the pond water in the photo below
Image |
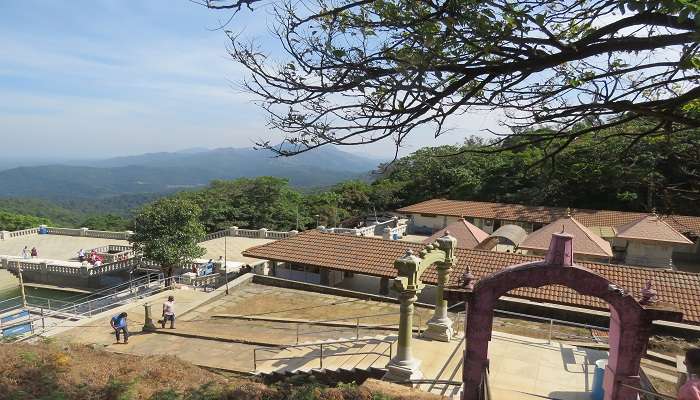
9	288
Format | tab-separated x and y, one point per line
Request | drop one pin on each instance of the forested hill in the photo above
167	172
617	173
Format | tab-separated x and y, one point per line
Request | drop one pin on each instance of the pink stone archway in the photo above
630	322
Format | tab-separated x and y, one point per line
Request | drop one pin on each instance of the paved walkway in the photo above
98	331
521	367
233	247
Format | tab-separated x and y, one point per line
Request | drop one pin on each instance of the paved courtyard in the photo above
62	247
54	247
520	367
233	247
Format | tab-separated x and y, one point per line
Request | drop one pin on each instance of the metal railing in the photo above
550	321
79	310
655	395
357	326
321	351
485	386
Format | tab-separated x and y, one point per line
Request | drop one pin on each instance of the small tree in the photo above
168	232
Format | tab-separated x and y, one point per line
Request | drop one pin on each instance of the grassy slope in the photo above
53	371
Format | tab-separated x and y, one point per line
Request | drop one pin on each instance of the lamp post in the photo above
225	262
21	285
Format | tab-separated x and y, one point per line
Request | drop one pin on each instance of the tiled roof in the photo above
543	215
467	234
651	228
373	256
585	241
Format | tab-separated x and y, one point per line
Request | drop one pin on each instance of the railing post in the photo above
551	326
321	359
255	360
298	333
357	329
43	327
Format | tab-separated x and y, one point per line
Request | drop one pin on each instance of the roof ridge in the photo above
594	238
678	237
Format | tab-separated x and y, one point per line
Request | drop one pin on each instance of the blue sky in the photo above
104	78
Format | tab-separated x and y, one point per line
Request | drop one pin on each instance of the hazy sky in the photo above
104	78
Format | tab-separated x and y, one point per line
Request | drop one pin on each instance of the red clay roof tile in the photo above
373	256
544	215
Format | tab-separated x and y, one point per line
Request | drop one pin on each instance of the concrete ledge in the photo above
174	332
311	287
221	291
392	327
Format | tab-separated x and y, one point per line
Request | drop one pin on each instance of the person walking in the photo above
35	253
690	389
25	252
168	313
119	325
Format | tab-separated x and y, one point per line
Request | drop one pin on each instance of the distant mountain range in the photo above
167	172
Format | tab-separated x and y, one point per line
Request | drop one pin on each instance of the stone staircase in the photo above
451	371
344	360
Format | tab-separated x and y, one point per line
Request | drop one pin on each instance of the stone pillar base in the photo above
148	325
402	371
439	330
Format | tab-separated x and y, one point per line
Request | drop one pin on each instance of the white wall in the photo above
648	254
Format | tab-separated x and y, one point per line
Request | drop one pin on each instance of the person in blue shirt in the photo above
118	323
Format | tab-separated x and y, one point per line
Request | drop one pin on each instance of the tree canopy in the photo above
619	174
168	232
358	71
15	222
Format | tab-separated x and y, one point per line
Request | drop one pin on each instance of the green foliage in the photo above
117	389
16	222
168	231
41	209
106	222
612	172
250	203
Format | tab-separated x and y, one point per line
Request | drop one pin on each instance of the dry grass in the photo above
54	371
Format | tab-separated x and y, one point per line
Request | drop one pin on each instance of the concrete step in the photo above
336	356
451	371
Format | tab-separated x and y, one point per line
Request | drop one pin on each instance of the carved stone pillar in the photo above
403	367
440	325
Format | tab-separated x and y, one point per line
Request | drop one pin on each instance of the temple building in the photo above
649	241
433	215
587	245
467	234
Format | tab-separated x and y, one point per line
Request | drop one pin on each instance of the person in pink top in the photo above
690	389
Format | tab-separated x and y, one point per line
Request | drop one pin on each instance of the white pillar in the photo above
386	234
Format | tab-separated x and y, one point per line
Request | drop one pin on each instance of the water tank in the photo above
598	377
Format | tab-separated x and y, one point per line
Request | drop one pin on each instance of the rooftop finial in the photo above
648	294
568	211
653	211
561	250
